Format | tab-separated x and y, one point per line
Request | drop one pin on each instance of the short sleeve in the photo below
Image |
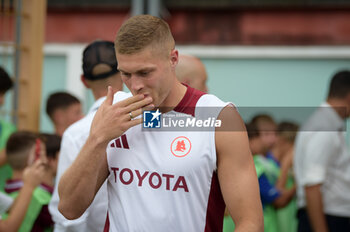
5	202
68	153
319	149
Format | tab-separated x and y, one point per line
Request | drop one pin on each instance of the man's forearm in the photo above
77	187
248	226
315	208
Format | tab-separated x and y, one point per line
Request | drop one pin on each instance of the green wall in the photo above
54	79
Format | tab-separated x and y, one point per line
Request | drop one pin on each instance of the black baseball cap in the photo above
99	52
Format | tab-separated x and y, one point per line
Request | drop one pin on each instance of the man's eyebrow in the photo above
140	70
120	70
145	69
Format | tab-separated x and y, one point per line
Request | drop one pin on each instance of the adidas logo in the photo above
120	142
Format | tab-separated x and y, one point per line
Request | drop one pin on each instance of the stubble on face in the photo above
158	83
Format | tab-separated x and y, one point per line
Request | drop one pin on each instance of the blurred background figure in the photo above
63	109
53	147
284	150
99	72
267	128
5	84
23	149
32	176
191	71
322	163
244	44
254	56
272	196
6	129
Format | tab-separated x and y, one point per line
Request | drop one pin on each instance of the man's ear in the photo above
347	102
174	57
85	82
347	98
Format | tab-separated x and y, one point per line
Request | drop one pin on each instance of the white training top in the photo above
5	203
166	180
321	157
73	140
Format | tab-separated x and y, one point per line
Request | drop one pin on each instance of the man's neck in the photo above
339	106
17	175
59	129
175	96
98	93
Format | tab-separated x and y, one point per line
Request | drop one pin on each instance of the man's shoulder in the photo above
210	100
324	118
210	105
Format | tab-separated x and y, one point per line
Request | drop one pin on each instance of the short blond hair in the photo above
142	31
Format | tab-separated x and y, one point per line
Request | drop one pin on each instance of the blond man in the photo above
158	180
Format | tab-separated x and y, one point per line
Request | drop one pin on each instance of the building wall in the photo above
212	27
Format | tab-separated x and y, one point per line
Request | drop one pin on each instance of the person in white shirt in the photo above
5	202
160	180
322	163
99	71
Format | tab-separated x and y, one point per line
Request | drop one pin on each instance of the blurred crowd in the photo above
303	172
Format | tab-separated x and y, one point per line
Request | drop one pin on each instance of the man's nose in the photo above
136	84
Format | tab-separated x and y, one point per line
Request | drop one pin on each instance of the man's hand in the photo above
112	120
34	174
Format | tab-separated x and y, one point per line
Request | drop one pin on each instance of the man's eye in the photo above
126	74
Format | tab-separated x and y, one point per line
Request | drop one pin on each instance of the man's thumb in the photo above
110	95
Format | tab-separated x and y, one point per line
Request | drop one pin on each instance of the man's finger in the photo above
130	100
138	112
134	122
148	107
110	95
138	105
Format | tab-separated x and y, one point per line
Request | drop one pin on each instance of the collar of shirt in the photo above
96	105
336	119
